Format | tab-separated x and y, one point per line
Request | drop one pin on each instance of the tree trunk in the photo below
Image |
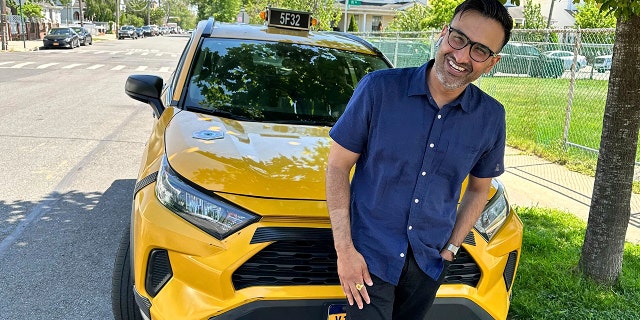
610	211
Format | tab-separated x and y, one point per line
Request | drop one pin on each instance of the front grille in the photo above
290	262
463	270
312	261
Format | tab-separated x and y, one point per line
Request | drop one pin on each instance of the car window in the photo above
270	81
59	31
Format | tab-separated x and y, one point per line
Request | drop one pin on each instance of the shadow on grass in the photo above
548	284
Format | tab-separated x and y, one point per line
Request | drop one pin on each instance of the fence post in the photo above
572	82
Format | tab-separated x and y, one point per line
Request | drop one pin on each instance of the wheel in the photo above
123	303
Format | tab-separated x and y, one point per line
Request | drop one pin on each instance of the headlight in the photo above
206	212
494	214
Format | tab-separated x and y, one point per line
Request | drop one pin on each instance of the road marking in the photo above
95	66
165	69
144	54
141	68
73	65
47	65
20	65
6	62
119	67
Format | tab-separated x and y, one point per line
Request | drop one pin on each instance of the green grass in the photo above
548	284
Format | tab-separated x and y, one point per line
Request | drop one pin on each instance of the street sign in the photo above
355	2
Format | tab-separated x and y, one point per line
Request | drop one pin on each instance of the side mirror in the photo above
147	89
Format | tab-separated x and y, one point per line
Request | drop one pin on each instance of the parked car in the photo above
140	32
229	216
84	34
127	32
155	30
602	63
146	30
149	31
404	53
567	57
520	58
61	37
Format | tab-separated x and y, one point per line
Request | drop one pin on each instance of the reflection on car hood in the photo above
249	158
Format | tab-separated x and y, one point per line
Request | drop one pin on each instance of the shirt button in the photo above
431	145
424	173
439	116
410	227
416	200
401	254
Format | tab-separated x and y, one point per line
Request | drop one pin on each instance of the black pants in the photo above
410	299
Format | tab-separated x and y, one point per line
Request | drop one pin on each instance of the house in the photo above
371	14
559	14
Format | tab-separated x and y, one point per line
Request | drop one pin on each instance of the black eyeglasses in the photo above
477	51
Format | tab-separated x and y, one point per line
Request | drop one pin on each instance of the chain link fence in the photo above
553	84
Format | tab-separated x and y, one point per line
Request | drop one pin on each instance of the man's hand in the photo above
447	255
354	274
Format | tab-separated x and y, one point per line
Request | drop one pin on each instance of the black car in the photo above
61	37
146	30
140	32
85	36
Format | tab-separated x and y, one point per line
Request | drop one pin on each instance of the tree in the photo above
100	10
439	14
589	16
601	256
353	25
532	17
410	19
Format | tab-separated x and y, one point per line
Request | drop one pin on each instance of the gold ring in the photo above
359	286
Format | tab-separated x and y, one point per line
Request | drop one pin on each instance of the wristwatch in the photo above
453	248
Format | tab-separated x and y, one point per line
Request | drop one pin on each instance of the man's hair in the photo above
492	9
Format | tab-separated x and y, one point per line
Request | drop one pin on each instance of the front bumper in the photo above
56	43
286	266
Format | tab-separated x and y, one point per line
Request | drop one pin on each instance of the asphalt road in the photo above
71	142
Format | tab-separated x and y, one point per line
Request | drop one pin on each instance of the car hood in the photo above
249	158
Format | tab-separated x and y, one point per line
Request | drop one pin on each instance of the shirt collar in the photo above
418	86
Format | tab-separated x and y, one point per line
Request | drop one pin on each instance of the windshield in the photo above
60	31
275	82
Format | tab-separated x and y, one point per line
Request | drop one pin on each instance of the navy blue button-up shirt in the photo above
413	159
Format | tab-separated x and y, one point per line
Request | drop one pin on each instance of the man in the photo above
414	134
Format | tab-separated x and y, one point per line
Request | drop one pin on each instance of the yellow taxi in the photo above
229	219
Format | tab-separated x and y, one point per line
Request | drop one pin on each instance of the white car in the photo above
602	63
567	58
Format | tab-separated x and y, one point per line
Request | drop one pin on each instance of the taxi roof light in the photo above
288	19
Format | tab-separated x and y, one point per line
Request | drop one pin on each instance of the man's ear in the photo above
494	60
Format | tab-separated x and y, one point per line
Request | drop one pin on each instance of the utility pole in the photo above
117	23
81	14
3	24
550	14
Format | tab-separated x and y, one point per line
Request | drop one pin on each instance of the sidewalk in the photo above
534	182
33	45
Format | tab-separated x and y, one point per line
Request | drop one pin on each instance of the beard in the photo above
449	81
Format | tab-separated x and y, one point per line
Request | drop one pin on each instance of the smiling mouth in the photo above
456	67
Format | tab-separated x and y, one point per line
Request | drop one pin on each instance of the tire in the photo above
123	302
